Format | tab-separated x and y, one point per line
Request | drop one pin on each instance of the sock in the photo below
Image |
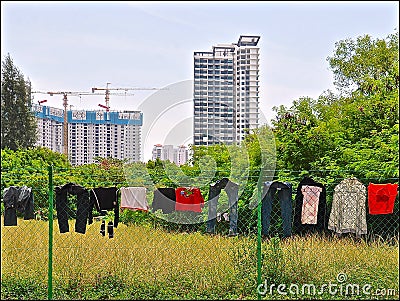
110	230
103	228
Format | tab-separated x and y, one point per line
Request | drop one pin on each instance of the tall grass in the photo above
320	260
146	263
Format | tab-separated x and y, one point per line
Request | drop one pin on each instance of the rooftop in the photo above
248	40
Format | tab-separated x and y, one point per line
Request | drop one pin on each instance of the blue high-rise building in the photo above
115	134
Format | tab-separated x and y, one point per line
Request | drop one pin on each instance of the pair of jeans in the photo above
231	190
284	190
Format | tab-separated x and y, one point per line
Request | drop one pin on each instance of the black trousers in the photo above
64	212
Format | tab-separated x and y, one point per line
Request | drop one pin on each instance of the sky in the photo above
75	46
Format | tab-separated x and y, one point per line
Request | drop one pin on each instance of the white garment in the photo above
226	216
220	215
348	214
134	198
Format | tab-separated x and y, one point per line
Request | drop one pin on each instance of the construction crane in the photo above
116	94
107	93
65	123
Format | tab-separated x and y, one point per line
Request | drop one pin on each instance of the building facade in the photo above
91	134
182	155
157	152
168	152
178	155
226	92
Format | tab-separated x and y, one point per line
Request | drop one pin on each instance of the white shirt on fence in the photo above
134	198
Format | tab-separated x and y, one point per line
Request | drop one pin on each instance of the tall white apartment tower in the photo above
181	155
178	155
157	152
226	92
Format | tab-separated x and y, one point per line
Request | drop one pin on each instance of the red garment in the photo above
381	198
188	199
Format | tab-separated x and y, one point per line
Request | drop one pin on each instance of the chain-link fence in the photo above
24	242
119	236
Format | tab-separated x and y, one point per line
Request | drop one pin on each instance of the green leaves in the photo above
18	126
356	130
365	65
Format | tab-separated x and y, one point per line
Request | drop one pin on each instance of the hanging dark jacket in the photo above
322	219
17	199
231	190
64	212
105	199
164	199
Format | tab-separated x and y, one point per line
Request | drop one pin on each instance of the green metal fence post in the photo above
259	238
50	257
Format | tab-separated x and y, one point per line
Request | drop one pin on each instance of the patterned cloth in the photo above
348	214
309	210
322	216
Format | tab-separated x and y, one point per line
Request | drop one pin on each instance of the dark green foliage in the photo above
139	217
357	130
18	126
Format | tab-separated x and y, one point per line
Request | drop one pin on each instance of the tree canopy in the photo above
18	126
358	128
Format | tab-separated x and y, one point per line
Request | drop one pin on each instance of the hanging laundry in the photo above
164	199
226	216
310	207
83	210
348	213
105	199
110	229
381	198
17	199
134	198
188	199
221	215
231	190
284	190
310	204
103	228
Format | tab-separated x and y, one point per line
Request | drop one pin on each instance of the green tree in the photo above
365	65
358	128
18	127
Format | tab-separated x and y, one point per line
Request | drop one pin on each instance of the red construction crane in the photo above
107	93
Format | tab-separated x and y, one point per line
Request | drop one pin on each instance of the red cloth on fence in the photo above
188	199
381	198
